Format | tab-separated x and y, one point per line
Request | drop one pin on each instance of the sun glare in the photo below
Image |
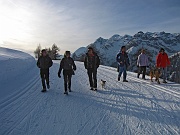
14	24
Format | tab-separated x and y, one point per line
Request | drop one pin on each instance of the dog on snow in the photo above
103	84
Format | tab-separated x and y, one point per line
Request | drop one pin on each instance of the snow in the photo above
136	107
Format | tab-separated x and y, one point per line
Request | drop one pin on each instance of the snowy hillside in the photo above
152	42
15	66
134	108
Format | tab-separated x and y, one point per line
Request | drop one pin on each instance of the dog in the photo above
155	72
103	84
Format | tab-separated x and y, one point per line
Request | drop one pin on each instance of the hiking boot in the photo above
91	88
95	89
70	90
66	93
44	90
125	80
118	78
144	78
48	86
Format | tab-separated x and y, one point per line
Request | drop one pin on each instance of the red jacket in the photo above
162	60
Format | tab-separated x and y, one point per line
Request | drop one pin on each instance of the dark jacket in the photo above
91	62
122	59
67	64
44	62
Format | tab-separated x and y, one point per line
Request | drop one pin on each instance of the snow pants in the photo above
67	79
142	70
122	69
44	77
164	73
92	74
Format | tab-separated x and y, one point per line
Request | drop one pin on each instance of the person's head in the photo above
90	50
123	48
162	50
67	54
143	51
44	52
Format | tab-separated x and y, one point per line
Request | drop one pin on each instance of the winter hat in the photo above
123	47
67	52
162	49
43	50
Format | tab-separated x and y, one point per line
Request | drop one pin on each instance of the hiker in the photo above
123	63
162	61
44	63
68	66
142	63
91	63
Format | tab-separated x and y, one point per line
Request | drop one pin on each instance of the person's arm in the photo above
38	63
74	65
50	62
117	57
168	61
138	60
85	62
61	66
98	61
128	62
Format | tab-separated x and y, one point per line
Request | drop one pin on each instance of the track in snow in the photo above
136	107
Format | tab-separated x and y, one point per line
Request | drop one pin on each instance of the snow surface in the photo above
137	107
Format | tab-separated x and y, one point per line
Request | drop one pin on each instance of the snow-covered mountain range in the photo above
151	42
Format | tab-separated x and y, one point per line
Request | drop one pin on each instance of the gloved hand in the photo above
59	74
74	69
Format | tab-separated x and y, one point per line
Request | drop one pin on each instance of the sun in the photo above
15	22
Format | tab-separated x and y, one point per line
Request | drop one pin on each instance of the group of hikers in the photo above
91	64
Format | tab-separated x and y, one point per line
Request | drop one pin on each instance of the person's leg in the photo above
43	79
164	74
124	73
69	82
47	77
65	80
120	72
95	78
144	72
90	77
139	71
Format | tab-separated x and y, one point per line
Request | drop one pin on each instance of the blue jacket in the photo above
122	59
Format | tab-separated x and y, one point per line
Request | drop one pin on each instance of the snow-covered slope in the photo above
137	107
15	69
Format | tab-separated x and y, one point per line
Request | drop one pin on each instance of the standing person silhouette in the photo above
91	63
44	63
68	66
123	63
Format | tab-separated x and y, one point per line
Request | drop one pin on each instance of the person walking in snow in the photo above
123	63
44	63
91	63
142	63
162	61
68	66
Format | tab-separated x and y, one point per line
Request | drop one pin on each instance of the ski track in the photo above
136	107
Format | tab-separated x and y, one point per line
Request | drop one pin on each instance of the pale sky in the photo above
75	23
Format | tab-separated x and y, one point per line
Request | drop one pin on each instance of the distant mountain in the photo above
151	42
